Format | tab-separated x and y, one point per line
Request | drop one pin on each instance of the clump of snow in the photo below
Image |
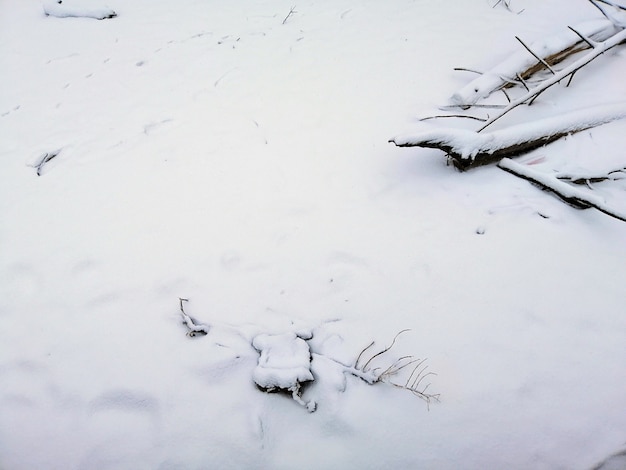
78	9
284	363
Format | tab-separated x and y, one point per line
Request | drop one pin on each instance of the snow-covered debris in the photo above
568	193
284	364
476	148
78	8
547	48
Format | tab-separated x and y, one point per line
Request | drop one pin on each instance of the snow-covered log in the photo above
78	9
469	149
598	49
195	328
568	193
552	50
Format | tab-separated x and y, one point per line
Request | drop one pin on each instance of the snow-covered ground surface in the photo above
237	156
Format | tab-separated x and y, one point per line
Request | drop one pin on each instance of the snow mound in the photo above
78	9
284	362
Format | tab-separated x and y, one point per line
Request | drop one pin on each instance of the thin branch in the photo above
394	368
291	12
383	351
535	55
419	364
483	106
463	116
589	42
571	77
508	98
356	364
462	69
613	4
523	82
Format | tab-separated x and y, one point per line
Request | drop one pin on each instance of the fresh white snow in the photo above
237	156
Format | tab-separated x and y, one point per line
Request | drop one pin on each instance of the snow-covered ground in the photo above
237	155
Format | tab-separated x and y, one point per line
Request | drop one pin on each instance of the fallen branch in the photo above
586	178
469	149
571	195
552	50
45	158
599	49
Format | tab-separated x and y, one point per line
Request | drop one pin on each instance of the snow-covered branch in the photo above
552	50
598	49
568	193
469	149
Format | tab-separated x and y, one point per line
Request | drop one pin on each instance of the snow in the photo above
210	152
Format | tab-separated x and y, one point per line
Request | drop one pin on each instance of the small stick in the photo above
519	77
536	56
454	116
589	42
45	158
356	364
291	12
462	69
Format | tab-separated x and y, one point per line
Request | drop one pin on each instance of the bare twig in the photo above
291	12
535	55
463	116
613	4
483	106
589	41
567	193
523	82
413	382
463	69
356	363
364	368
45	158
